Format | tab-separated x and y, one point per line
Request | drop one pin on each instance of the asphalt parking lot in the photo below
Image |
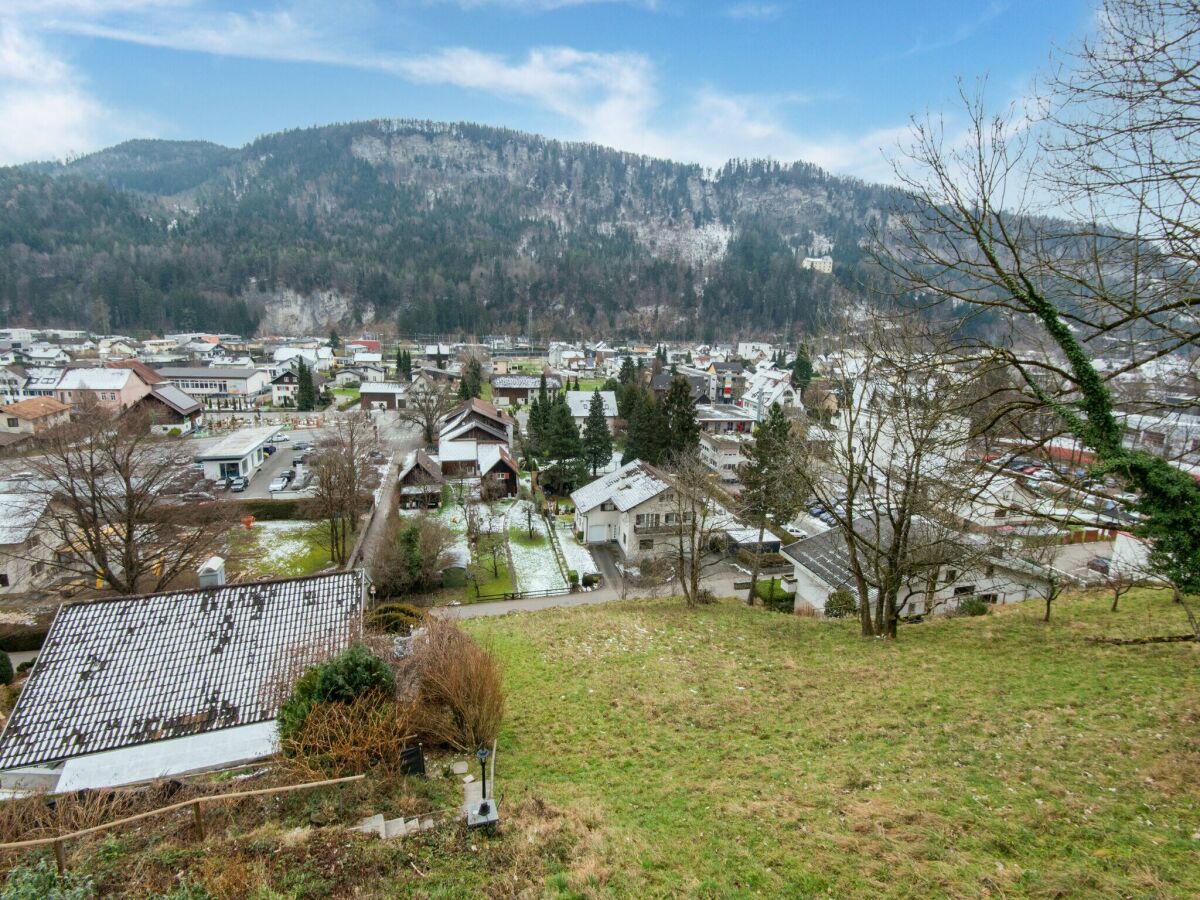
275	464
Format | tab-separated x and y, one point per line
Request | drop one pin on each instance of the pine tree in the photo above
645	436
543	394
564	449
597	442
537	427
306	398
679	415
628	372
802	369
771	489
334	341
471	384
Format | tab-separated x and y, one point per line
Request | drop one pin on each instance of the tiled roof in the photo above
117	673
632	484
35	408
826	555
420	459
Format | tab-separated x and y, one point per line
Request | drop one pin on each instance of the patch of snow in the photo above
534	568
578	557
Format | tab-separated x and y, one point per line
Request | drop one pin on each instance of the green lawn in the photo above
487	581
279	549
727	751
520	535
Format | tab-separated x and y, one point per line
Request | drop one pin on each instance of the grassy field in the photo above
725	751
279	549
651	750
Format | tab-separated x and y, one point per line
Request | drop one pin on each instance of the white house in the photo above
580	403
822	264
768	386
725	453
630	507
318	358
42	381
137	688
24	556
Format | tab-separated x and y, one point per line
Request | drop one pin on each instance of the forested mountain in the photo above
455	229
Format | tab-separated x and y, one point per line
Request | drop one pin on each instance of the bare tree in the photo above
696	519
341	465
896	471
106	484
425	406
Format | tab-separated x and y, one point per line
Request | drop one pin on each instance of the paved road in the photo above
721	586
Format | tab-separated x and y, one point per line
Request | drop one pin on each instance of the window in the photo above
951	575
989	598
646	544
12	422
964	590
3	579
989	571
608	506
36	568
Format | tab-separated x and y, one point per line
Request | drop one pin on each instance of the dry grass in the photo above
458	688
339	739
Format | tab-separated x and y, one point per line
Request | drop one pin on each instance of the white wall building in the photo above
630	507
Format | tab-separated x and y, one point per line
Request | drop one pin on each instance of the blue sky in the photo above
831	82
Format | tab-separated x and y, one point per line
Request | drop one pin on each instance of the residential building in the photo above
384	395
697	383
723	419
510	389
285	386
41	381
421	481
359	374
141	688
171	410
319	359
12	383
116	389
766	387
725	453
630	507
25	557
822	264
753	350
32	416
580	404
726	380
209	384
476	420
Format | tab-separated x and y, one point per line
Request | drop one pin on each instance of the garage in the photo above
597	534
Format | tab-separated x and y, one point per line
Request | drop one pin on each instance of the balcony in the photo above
653	529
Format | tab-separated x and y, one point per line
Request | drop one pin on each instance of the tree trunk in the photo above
1046	618
1116	599
757	565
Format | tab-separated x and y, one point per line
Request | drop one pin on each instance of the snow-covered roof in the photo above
525	382
385	387
632	484
580	403
456	451
490	456
128	671
94	379
241	443
20	512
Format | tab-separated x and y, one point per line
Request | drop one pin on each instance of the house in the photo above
822	264
753	350
138	688
116	389
492	463
629	507
438	355
476	420
697	384
821	565
25	558
766	387
383	395
170	409
319	359
508	389
367	344
421	481
237	455
359	374
12	383
726	381
41	381
208	384
33	416
580	403
285	386
724	453
45	355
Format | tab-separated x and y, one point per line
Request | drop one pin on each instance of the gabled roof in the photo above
117	673
463	429
525	382
580	403
176	399
475	405
697	384
35	408
420	461
144	372
632	484
491	455
95	379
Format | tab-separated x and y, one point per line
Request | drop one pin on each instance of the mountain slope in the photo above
441	228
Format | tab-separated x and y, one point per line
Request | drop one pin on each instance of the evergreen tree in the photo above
564	449
645	436
802	369
306	396
335	342
681	431
543	393
537	426
771	489
628	372
597	441
471	384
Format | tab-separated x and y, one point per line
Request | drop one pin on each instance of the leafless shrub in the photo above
457	687
349	738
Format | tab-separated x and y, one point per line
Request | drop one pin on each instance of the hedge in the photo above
275	510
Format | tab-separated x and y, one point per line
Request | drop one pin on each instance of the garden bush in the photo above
772	594
972	606
351	674
840	604
591	579
395	618
274	510
572	576
6	669
769	560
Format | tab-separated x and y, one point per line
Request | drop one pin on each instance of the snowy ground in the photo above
283	549
578	556
534	568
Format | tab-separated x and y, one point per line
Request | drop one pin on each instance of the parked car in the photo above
299	460
287	475
239	484
279	484
302	445
280	439
197	496
268	450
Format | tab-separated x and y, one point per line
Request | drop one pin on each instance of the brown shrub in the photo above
457	688
339	739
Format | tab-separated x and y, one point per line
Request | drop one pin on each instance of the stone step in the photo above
395	828
371	825
472	794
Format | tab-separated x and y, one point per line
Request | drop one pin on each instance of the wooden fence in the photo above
196	803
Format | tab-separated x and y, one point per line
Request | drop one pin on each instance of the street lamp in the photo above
482	755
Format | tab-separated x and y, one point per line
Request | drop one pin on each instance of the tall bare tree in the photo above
425	405
107	485
341	464
695	519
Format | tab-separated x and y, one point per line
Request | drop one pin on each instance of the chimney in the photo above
212	573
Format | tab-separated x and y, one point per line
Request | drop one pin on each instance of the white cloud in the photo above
960	33
755	12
